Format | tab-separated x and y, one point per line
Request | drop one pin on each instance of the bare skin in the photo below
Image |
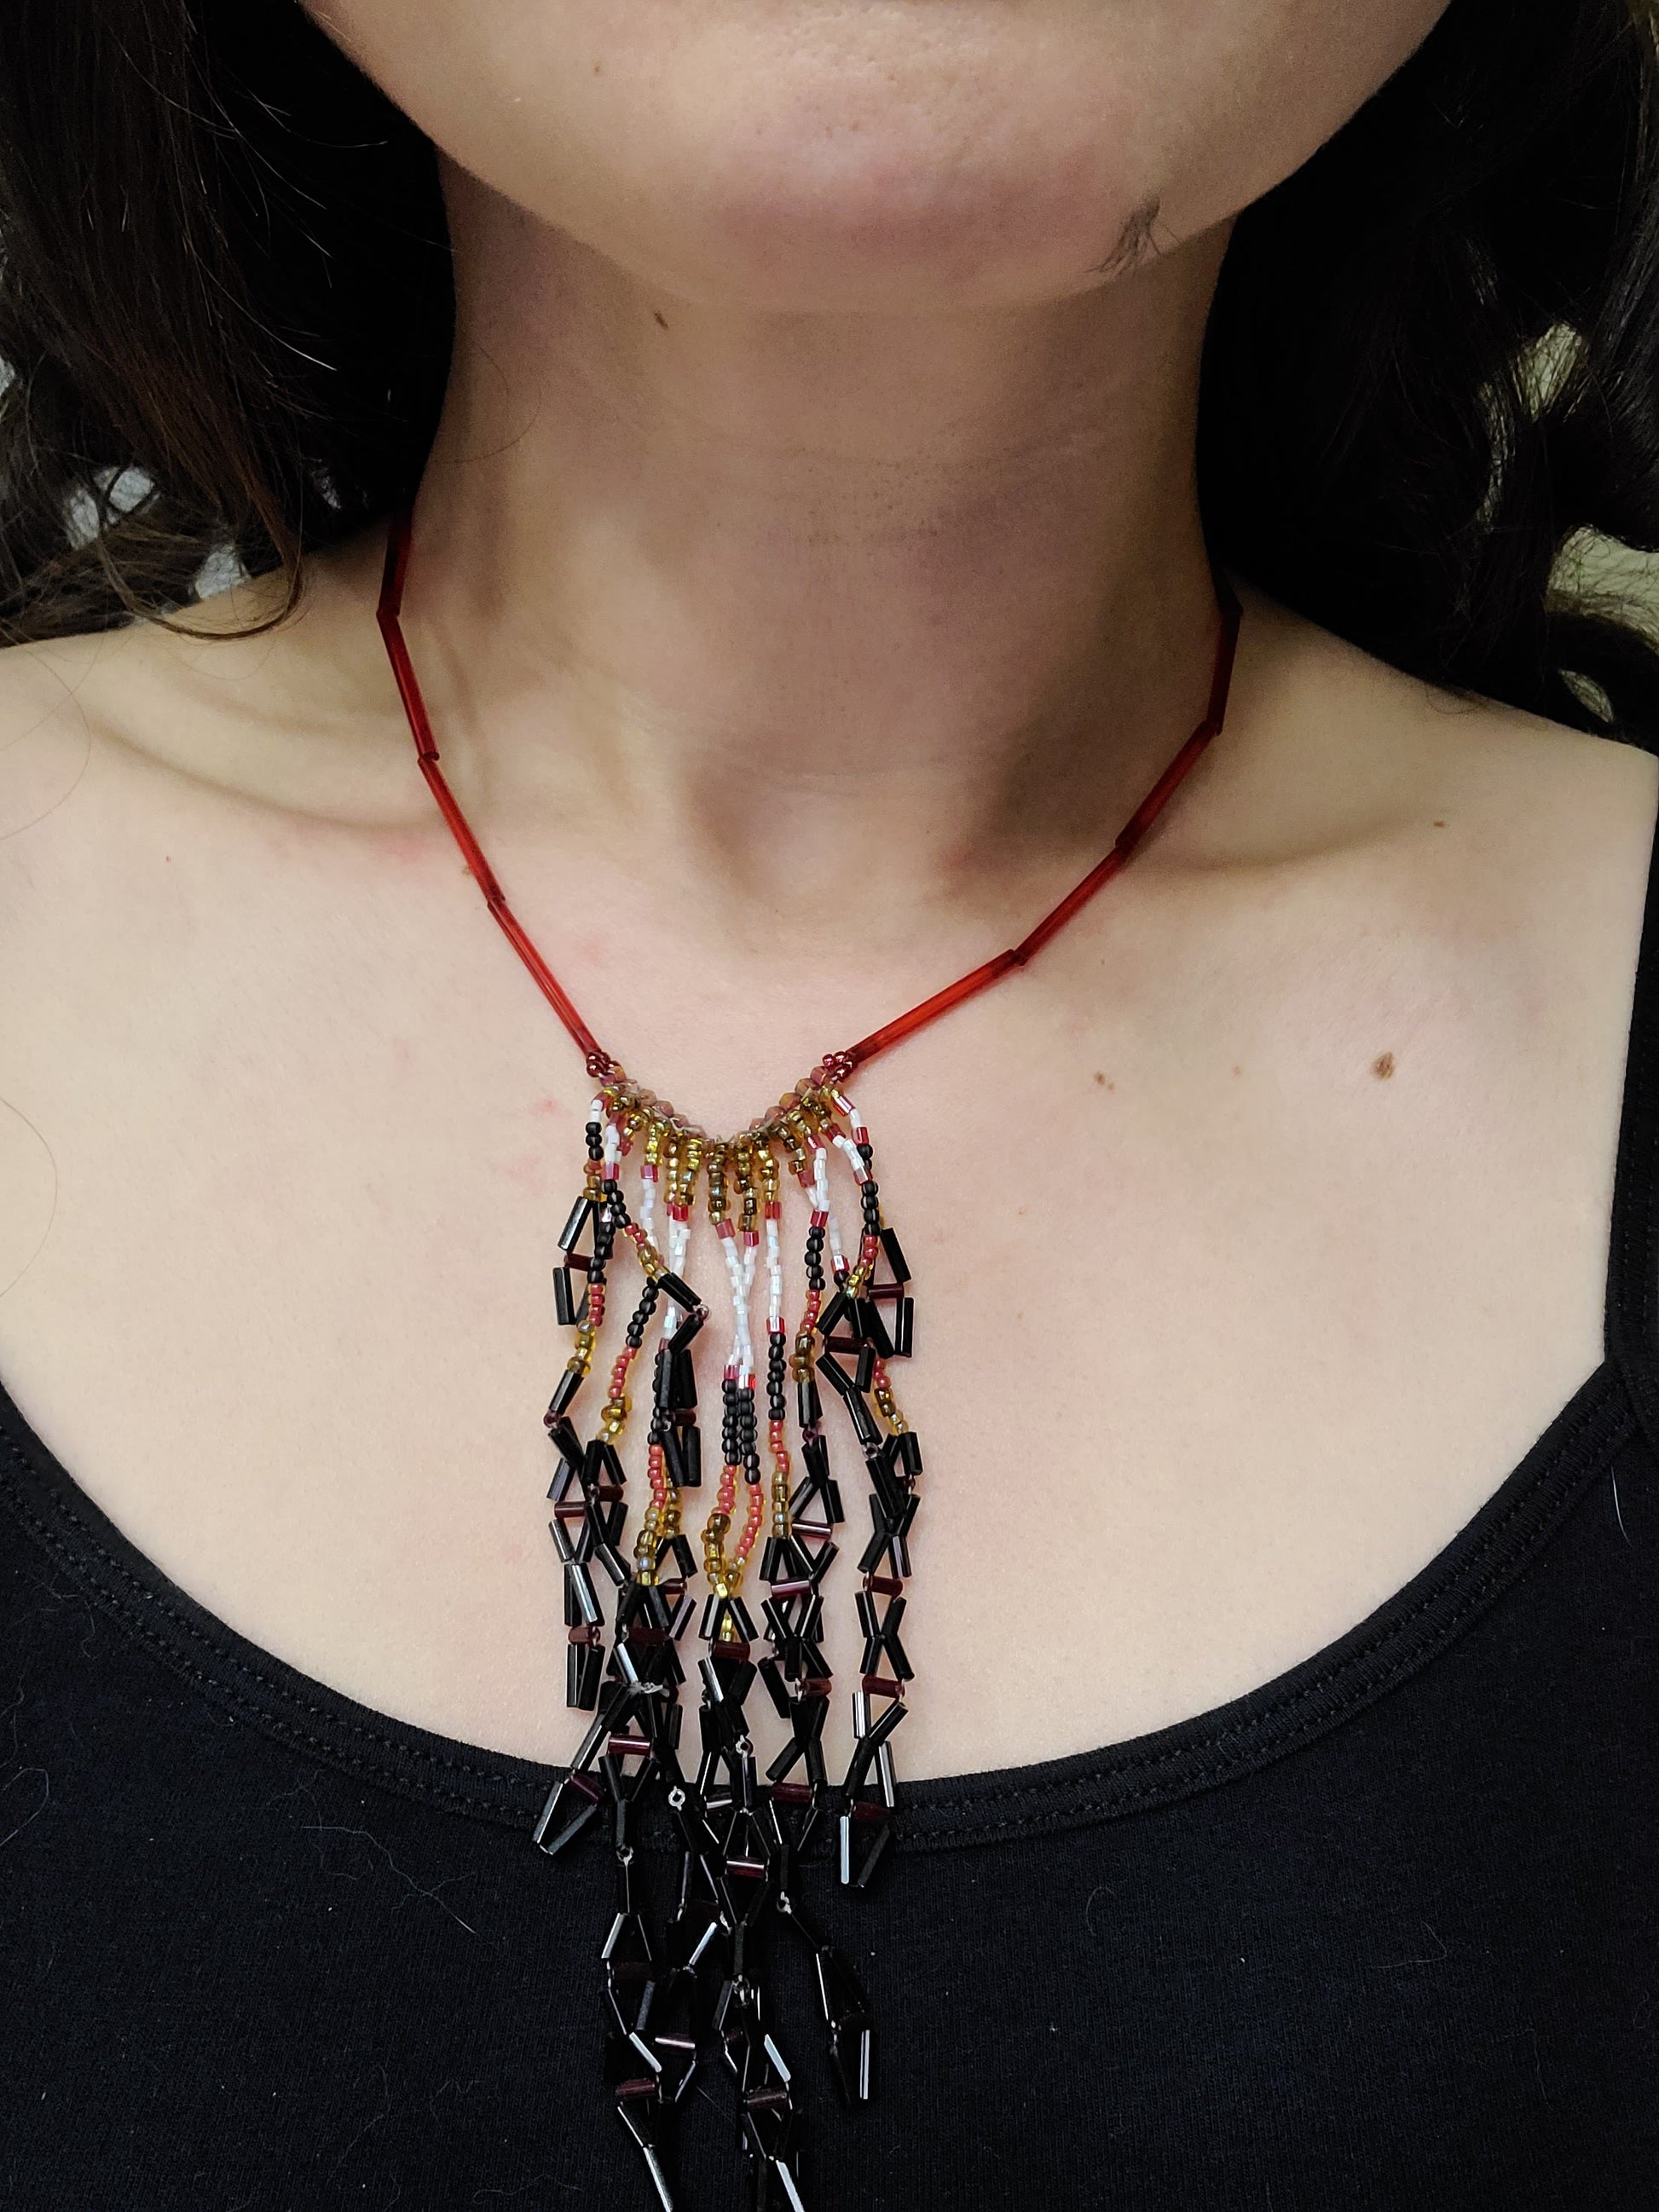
789	664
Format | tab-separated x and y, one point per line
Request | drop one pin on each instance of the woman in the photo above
808	571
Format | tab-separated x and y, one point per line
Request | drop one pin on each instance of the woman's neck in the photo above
798	597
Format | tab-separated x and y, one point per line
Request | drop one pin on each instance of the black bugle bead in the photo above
910	1452
836	1375
864	1373
603	1463
581	1214
581	1604
611	1560
833	1314
683	1381
682	1293
771	1675
904	1329
873	1328
808	1404
564	1299
681	1341
896	1261
879	1465
674	1456
569	1383
681	1451
814	1458
865	1425
564	1436
584	1667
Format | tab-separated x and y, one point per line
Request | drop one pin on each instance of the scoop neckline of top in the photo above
1462	1580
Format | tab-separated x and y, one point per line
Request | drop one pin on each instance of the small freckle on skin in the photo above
1439	825
1382	1067
1238	1071
661	319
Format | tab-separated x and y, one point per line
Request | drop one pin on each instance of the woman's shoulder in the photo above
1468	806
249	693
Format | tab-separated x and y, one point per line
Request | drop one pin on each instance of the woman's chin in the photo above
857	228
860	224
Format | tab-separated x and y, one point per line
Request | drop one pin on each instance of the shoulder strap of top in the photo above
1632	1293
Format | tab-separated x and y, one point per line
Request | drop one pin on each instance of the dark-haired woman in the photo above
822	449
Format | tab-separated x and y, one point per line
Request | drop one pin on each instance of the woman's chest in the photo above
1232	1303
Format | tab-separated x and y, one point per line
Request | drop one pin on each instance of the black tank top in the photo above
1384	1933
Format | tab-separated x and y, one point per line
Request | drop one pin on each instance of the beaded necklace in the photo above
693	1989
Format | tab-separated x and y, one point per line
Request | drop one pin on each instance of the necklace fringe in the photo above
671	1994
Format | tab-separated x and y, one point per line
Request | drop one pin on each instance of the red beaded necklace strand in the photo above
694	1989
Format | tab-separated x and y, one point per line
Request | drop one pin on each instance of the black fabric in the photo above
1384	1933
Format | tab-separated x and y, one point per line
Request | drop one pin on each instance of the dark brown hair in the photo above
1433	365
